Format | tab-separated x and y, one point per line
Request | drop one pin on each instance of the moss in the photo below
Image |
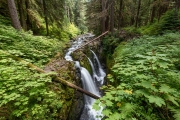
67	103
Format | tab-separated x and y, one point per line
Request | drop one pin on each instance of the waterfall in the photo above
89	85
100	74
88	81
94	75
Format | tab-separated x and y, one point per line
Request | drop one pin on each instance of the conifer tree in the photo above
14	15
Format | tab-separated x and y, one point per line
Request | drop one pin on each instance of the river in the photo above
90	82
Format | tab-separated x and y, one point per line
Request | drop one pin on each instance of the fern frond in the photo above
176	113
127	109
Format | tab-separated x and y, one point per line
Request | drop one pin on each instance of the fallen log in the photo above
54	77
91	40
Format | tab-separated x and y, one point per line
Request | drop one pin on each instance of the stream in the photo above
90	82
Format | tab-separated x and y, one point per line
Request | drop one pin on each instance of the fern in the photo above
145	78
25	94
176	113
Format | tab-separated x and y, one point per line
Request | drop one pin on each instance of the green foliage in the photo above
5	20
79	15
71	30
168	22
93	15
36	21
54	13
68	31
109	43
146	80
25	94
132	30
36	49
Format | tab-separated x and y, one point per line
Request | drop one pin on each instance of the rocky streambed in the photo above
73	100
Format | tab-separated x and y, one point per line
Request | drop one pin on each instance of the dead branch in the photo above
55	78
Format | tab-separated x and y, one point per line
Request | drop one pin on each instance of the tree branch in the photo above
55	78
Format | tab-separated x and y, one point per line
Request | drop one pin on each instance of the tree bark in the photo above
137	15
104	20
162	8
22	14
14	15
153	12
45	17
103	5
177	4
112	17
28	21
177	7
120	14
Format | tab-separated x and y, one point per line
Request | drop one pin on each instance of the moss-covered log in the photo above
55	78
91	40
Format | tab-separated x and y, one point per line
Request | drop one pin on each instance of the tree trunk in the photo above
120	14
45	17
22	14
112	17
177	4
28	21
177	7
71	15
162	9
153	12
14	15
138	11
68	14
103	5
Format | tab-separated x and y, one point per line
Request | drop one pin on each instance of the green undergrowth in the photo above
24	93
68	31
144	80
169	22
36	49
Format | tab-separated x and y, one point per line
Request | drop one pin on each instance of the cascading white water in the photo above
88	81
89	85
94	74
98	68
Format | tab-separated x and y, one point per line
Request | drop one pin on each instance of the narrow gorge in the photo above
92	77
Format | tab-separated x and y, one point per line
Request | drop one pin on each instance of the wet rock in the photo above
77	107
71	98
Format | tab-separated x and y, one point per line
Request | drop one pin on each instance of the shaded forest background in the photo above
141	52
54	17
